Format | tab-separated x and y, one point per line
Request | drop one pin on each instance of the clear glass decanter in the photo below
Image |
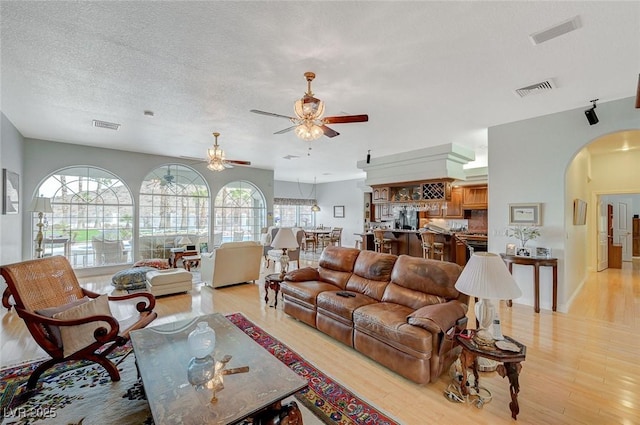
202	340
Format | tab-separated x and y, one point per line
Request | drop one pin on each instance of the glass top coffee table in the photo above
162	355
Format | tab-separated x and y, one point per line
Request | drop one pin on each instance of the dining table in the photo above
317	235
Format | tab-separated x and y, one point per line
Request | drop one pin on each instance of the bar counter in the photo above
408	242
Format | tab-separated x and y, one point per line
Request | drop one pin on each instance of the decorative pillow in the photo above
158	263
77	337
134	278
54	331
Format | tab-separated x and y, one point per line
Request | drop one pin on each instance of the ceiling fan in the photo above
217	161
309	123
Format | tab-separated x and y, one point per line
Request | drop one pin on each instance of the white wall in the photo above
528	162
11	155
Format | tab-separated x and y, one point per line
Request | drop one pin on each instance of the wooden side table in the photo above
510	366
177	255
272	281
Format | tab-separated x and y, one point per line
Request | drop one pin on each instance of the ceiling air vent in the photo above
555	31
105	124
536	88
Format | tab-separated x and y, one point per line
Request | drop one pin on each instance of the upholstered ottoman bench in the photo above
170	281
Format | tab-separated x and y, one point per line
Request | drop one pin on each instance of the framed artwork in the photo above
204	247
511	249
10	192
579	212
338	211
524	252
524	214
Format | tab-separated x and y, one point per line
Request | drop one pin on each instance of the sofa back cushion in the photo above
336	265
371	273
417	282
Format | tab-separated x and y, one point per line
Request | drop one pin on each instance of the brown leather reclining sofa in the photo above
402	314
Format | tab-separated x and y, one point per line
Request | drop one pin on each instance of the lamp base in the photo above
284	263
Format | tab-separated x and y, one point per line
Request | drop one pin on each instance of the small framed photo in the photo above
524	214
543	252
338	211
204	247
511	249
524	252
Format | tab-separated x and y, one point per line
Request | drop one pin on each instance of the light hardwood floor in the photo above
581	367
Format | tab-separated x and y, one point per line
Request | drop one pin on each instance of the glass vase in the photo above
200	371
202	340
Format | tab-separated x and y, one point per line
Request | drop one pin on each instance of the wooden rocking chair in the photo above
47	287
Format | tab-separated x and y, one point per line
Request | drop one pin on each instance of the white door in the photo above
603	244
622	226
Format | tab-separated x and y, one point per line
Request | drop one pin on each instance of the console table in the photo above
536	262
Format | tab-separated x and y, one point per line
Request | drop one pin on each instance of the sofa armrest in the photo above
301	275
438	318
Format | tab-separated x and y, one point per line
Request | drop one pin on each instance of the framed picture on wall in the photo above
338	211
524	214
10	192
579	212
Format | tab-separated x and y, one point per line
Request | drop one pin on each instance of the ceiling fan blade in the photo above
344	119
271	114
236	162
329	132
286	130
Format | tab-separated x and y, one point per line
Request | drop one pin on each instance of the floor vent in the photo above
555	31
105	124
535	88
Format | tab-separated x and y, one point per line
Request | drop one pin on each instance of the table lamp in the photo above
183	241
284	240
487	278
41	205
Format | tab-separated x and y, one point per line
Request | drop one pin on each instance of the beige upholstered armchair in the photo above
232	262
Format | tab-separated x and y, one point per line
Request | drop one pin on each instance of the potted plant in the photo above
523	233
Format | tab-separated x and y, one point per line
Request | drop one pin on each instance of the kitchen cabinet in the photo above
380	194
475	197
453	208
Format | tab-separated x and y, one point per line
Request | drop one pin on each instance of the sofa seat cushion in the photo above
387	322
305	292
341	308
134	278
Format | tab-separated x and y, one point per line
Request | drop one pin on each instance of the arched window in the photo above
174	211
91	222
240	213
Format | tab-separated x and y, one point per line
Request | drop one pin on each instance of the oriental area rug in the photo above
79	393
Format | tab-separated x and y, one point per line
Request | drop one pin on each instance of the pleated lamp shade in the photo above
40	204
285	239
486	276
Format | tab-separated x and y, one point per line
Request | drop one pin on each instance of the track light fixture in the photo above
591	113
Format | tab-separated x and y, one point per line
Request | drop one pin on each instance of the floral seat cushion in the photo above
134	278
158	263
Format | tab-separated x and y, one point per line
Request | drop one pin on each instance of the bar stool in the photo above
427	238
381	243
438	251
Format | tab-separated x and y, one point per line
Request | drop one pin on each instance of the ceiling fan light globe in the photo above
308	131
215	165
